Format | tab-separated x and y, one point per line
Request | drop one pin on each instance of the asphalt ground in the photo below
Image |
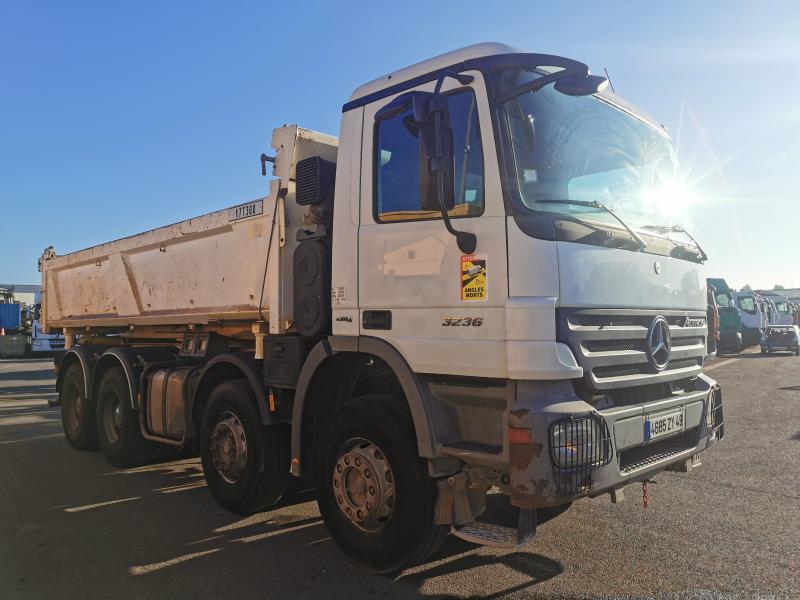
73	527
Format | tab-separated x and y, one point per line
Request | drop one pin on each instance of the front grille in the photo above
611	345
573	462
638	345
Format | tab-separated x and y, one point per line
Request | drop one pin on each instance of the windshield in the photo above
585	149
723	300
782	306
747	304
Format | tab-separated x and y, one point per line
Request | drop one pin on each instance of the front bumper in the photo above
618	454
787	347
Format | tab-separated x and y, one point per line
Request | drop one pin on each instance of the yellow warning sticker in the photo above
473	278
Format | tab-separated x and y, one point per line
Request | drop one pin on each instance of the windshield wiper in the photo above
679	229
594	204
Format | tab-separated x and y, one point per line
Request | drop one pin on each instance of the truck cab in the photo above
783	310
753	315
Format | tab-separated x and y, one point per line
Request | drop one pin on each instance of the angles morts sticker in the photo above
473	278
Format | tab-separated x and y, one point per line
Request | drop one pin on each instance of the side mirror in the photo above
430	163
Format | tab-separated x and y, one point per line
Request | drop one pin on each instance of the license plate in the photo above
662	425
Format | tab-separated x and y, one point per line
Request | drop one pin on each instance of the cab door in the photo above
443	310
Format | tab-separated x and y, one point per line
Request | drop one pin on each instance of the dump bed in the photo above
210	270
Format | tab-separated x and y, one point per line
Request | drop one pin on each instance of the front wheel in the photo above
373	489
246	465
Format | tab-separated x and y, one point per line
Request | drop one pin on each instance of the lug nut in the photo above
371	490
358	462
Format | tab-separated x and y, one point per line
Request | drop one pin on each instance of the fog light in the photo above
577	443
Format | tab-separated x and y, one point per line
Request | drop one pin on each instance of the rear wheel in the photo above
246	464
118	429
373	489
77	413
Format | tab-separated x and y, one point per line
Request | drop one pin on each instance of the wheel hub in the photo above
73	407
112	417
363	485
229	447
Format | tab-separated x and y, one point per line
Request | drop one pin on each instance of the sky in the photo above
118	117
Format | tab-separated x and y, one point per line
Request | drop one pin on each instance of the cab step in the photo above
499	536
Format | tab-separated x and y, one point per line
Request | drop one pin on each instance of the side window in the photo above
397	179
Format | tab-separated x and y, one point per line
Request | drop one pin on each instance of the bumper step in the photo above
499	536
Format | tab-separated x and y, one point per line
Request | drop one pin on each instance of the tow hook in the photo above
646	491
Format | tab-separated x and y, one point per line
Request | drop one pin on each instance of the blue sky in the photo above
117	117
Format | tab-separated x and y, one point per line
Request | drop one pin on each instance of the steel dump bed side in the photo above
207	268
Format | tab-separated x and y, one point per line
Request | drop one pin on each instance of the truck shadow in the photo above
294	531
535	568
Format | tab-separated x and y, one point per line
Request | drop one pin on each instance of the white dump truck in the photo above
473	289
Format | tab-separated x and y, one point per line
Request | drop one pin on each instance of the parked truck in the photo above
753	314
42	343
730	319
465	292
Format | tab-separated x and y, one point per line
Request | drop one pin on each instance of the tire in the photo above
77	413
118	429
255	478
398	529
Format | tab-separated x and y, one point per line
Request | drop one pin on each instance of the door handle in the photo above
377	319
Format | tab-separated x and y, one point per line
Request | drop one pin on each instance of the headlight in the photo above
580	442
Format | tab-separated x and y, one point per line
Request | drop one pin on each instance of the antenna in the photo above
609	80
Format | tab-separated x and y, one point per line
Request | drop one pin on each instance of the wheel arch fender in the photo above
324	351
86	359
225	367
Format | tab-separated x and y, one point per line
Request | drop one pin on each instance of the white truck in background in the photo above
754	314
783	309
466	291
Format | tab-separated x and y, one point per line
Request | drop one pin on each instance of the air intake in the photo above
315	178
